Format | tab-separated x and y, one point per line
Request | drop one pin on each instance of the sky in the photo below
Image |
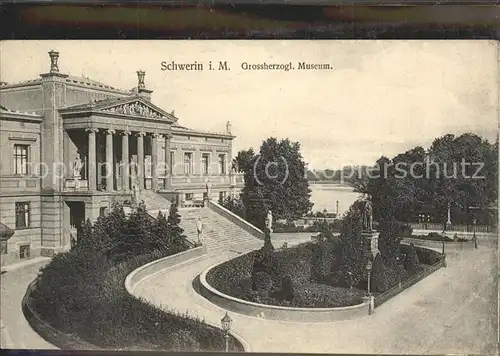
380	98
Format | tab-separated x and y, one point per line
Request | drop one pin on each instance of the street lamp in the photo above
226	322
474	237
369	270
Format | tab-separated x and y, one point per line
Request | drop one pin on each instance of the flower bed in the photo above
84	295
234	278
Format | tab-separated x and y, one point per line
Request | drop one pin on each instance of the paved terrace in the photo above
452	311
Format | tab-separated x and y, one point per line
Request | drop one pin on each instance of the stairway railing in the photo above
235	219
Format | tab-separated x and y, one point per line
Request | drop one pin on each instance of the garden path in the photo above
15	331
452	311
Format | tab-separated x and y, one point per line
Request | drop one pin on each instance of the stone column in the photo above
168	163
140	160
125	161
92	164
109	161
154	162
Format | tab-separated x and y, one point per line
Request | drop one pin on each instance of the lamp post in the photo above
474	237
369	270
226	322
442	251
369	296
337	204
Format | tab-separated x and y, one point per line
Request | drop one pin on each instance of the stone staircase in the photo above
154	203
219	233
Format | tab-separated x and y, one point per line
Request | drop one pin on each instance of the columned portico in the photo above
92	160
168	161
125	161
154	161
140	160
110	176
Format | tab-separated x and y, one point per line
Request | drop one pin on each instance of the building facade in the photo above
71	147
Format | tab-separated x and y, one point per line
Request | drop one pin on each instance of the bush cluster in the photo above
82	292
284	277
317	226
432	236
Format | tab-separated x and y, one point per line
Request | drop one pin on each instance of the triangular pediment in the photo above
137	107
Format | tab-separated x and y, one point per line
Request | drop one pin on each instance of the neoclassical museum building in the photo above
71	147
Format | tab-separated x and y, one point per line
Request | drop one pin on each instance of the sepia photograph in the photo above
336	196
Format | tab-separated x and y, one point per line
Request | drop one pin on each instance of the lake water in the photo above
324	196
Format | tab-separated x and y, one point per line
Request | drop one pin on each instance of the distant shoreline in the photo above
329	182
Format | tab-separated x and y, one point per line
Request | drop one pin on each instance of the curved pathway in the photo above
15	331
452	311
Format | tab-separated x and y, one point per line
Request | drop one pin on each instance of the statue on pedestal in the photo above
367	216
77	167
199	228
209	189
269	221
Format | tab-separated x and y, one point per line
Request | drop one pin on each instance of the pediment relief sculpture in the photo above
136	109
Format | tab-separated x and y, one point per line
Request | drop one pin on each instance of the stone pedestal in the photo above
371	238
371	303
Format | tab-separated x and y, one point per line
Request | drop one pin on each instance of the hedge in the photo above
84	294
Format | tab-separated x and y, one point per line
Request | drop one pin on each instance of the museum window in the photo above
22	215
21	159
3	247
189	196
102	211
222	164
188	162
24	251
205	161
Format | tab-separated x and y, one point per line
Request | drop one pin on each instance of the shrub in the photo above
411	261
82	292
379	280
184	340
261	281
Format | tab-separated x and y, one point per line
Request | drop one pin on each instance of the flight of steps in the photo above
154	203
219	233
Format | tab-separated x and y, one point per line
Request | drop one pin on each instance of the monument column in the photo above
154	162
125	161
168	161
140	160
92	166
109	161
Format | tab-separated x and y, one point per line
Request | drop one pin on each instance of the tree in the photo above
235	205
352	245
411	261
160	234
275	179
137	236
389	240
379	281
177	240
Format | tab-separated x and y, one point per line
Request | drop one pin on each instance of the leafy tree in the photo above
442	175
411	261
85	237
235	205
177	239
352	245
137	237
160	234
379	281
389	240
275	180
